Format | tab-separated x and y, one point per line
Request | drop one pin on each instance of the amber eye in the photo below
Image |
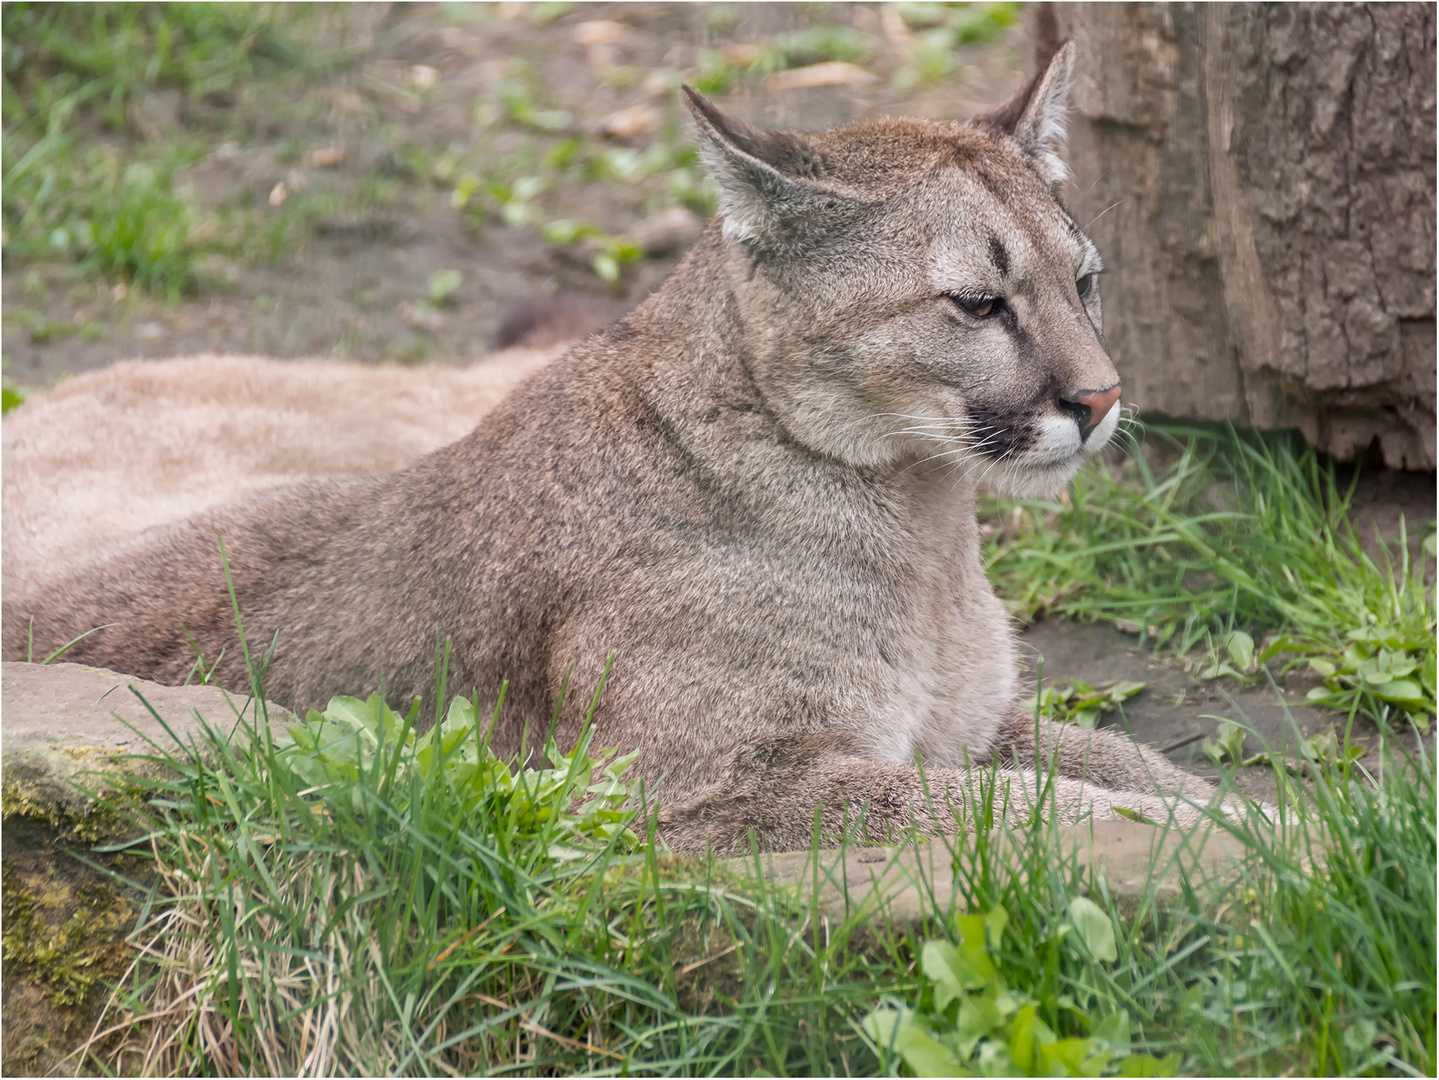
1084	284
981	307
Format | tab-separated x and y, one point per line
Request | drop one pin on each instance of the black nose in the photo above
1089	407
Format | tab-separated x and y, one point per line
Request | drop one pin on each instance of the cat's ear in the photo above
1036	118
769	181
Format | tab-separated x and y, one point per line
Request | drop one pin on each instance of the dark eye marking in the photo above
998	255
979	307
1084	284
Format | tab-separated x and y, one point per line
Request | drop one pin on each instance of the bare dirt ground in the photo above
370	163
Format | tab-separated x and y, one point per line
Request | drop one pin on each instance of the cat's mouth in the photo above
1045	468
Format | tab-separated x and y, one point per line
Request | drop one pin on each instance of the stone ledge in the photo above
906	885
64	724
63	730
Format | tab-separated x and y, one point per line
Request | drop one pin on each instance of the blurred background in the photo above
385	182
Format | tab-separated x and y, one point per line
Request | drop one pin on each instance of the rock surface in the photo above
65	913
894	886
64	722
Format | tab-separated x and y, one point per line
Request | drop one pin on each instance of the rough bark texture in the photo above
1263	178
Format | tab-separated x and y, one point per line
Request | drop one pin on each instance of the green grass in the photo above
441	913
1238	545
86	177
356	899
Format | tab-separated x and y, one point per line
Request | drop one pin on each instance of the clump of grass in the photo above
355	898
73	71
1317	958
1237	538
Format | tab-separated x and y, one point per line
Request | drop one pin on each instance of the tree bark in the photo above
1261	180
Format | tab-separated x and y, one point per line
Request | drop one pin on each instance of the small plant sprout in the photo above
1079	703
443	284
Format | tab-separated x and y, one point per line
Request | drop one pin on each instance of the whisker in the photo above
966	451
1096	183
1099	215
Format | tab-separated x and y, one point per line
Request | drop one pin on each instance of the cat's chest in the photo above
951	672
947	656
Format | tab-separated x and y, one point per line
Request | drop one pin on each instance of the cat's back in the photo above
105	456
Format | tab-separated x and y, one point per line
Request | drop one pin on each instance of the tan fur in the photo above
757	491
106	455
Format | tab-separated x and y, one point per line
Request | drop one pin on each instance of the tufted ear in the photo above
771	189
1036	118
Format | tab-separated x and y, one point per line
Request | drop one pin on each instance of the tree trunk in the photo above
1261	180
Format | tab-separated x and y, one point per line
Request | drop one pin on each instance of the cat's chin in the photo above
1018	481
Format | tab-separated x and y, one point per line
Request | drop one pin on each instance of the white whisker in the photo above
1099	215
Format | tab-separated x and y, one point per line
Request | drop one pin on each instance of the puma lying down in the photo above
757	490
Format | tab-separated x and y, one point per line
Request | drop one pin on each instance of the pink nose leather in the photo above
1099	403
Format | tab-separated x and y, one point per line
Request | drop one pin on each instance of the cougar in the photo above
757	491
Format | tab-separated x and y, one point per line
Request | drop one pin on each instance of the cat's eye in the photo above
1084	284
981	307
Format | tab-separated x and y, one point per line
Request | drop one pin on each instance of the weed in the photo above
610	254
996	1031
941	28
442	286
1078	702
12	396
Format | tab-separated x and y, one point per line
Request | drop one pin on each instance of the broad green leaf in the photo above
1359	1037
567	231
995	922
442	284
939	961
972	931
1113	1030
607	267
1274	648
979	1016
1123	691
880	1026
1073	1057
1027	1033
950	971
527	187
1374	672
897	1031
1094	928
1402	692
1148	1065
10	397
1241	649
926	1056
